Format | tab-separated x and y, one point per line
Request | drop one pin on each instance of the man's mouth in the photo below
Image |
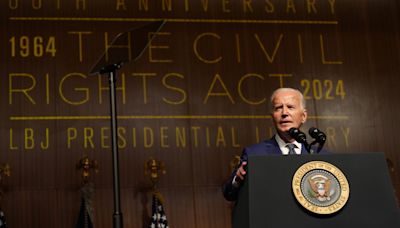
285	122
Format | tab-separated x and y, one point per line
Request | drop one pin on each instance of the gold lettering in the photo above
323	58
247	6
80	42
234	138
167	5
13	4
85	91
164	137
204	3
195	130
120	3
144	83
300	43
148	137
196	49
121	132
29	139
134	142
330	135
225	93
269	58
220	138
346	133
269	7
104	137
45	145
186	5
208	140
237	42
280	76
332	6
91	138
180	134
72	134
290	6
257	134
83	3
311	6
36	4
11	145
178	90
225	4
24	90
241	92
144	4
47	88
154	47
108	47
121	88
88	137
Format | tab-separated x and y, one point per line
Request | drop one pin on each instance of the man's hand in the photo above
241	171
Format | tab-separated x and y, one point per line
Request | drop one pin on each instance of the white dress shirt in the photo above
283	145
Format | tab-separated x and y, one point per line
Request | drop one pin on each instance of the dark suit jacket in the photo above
267	147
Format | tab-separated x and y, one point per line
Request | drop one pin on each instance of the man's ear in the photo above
304	116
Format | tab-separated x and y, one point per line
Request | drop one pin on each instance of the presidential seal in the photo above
320	187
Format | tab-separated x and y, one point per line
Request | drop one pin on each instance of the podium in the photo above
267	200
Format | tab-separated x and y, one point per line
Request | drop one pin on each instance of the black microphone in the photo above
318	135
298	135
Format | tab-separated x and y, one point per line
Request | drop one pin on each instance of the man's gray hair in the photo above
303	101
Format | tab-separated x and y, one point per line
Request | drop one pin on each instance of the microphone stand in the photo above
139	36
111	71
301	138
308	147
319	148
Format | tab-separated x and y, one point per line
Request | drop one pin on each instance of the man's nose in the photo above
284	111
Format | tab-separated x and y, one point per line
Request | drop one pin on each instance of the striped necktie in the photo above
291	148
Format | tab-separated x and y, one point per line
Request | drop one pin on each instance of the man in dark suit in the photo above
288	111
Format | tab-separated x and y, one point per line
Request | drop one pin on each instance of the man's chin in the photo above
283	132
285	129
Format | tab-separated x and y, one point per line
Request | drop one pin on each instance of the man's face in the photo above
287	111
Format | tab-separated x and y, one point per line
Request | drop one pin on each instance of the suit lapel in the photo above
274	146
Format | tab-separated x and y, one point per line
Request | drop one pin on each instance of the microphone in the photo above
318	135
298	135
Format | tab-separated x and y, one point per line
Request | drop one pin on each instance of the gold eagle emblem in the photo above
321	187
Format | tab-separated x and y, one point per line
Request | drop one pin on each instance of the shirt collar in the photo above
282	145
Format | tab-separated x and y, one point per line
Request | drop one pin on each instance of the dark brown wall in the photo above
206	81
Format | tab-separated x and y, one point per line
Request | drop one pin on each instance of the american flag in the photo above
84	218
158	217
86	210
